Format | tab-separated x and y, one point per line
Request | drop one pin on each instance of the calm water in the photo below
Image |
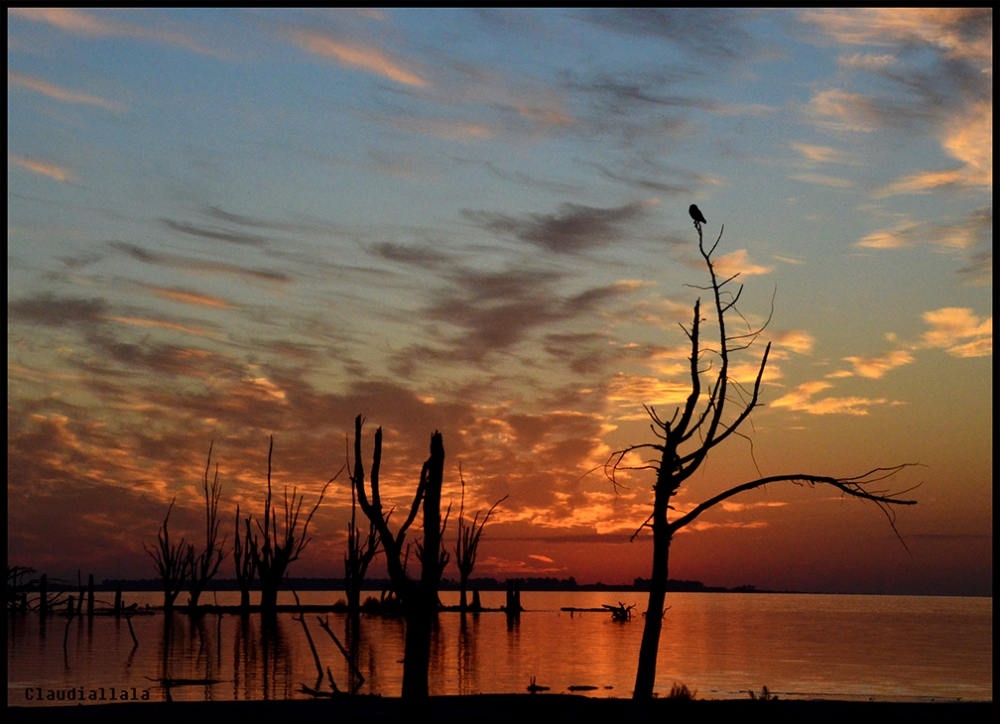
799	646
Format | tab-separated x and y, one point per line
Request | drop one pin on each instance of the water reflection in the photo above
719	644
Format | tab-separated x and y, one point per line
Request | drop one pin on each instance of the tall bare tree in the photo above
418	596
467	544
277	550
245	553
206	564
685	440
171	561
360	553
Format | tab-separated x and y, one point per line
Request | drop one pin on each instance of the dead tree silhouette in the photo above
419	597
171	561
276	552
206	564
360	553
684	444
467	545
245	552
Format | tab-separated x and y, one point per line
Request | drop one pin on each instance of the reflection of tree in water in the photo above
439	645
276	660
468	654
208	656
354	637
262	661
513	639
170	641
245	651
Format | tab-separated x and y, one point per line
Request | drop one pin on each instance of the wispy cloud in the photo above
354	55
196	265
842	110
448	129
40	166
820	179
738	262
572	229
967	137
794	340
957	32
801	399
875	367
975	229
60	94
94	25
819	154
187	296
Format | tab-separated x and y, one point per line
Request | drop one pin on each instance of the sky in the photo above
231	224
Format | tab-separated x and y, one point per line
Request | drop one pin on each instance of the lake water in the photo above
798	645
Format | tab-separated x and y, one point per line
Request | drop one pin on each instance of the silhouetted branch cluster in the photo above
277	550
467	545
171	560
205	565
684	441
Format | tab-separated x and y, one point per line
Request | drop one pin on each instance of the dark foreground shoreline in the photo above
501	707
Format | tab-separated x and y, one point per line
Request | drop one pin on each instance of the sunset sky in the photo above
224	225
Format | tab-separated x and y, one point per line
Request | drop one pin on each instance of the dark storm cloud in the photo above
230	237
715	33
645	184
419	256
306	224
174	261
50	311
481	313
574	228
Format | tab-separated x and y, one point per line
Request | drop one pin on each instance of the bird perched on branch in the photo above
696	214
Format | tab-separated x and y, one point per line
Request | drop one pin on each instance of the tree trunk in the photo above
268	598
463	601
645	676
245	598
353	600
416	664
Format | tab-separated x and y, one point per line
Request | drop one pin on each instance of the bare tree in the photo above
206	564
467	544
419	597
171	560
277	550
245	553
685	440
360	553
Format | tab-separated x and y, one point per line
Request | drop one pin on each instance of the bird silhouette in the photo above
696	214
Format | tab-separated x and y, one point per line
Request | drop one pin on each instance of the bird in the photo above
696	214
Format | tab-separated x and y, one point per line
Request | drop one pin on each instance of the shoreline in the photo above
500	707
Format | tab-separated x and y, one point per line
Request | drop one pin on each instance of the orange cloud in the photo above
60	94
45	168
960	332
737	263
874	367
945	28
801	400
188	297
77	22
144	322
360	57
